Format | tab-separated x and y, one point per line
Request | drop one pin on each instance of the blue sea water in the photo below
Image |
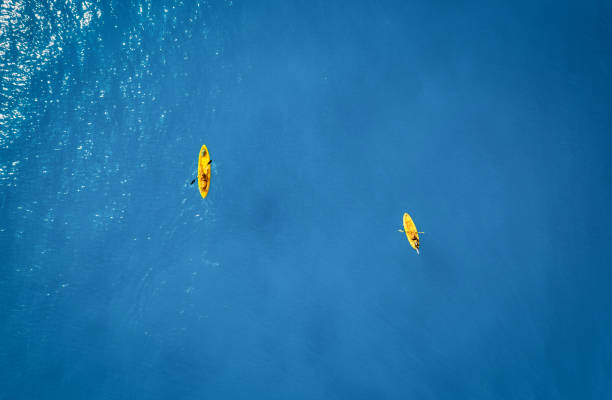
489	122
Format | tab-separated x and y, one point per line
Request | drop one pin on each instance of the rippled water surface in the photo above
326	122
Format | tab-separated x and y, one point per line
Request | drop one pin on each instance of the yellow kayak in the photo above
411	232
204	171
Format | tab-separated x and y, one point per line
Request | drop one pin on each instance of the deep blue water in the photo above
326	121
